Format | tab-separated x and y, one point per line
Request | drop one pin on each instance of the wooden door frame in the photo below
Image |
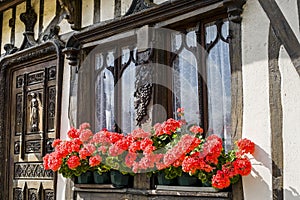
50	50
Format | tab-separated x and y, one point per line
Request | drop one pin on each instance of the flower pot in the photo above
206	184
86	177
101	179
186	180
162	180
118	179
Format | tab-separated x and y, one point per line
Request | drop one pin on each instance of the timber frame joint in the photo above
234	9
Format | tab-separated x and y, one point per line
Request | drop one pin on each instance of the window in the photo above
109	70
200	78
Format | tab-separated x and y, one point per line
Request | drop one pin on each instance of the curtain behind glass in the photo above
219	85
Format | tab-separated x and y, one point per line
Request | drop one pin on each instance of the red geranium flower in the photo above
84	125
245	146
73	133
56	142
73	162
220	180
84	153
196	129
242	166
95	160
85	135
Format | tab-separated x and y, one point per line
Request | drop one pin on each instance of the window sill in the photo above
91	191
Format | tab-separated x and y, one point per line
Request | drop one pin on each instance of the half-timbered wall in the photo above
271	85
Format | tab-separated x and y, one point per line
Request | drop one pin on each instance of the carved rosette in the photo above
143	85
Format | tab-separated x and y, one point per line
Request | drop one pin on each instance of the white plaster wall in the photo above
291	129
49	12
6	30
159	1
256	119
20	27
87	12
290	11
291	108
61	181
255	27
107	10
125	4
65	27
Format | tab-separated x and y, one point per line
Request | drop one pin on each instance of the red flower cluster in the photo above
71	153
177	153
212	149
95	160
73	133
242	166
168	127
245	146
196	129
52	161
195	162
220	180
73	162
141	151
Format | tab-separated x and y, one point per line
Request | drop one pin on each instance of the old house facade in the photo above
234	66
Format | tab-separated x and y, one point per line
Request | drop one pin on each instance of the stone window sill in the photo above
90	191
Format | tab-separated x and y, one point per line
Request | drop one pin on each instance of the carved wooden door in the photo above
33	124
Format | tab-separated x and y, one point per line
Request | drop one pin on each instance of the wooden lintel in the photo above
8	4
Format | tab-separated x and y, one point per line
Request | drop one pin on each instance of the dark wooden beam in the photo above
283	31
97	11
1	26
235	45
117	8
41	17
276	116
12	25
149	16
9	4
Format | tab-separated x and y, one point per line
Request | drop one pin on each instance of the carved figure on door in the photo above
34	112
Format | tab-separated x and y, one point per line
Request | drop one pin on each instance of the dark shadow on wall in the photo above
264	159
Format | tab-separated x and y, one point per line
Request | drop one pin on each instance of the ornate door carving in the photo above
32	129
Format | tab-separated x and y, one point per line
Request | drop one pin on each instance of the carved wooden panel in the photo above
33	146
35	77
33	108
18	194
19	114
51	107
33	194
31	171
34	111
17	147
49	195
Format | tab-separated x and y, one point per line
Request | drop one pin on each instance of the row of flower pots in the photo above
120	180
114	177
